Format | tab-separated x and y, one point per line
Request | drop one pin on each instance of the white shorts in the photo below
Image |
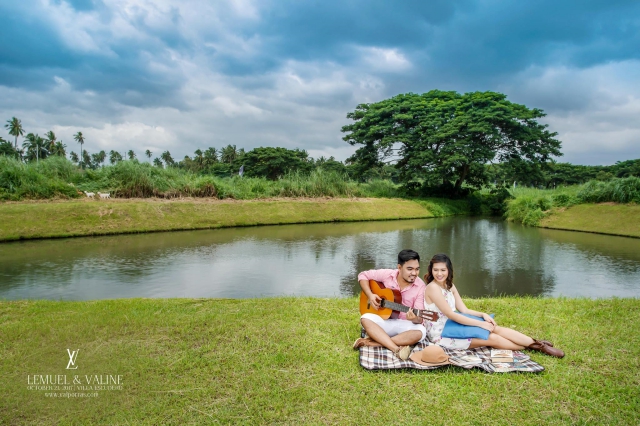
394	327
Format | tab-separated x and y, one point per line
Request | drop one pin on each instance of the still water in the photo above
490	257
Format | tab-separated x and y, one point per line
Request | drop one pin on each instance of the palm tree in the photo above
51	140
148	154
228	154
59	149
86	160
131	154
210	156
114	157
35	146
157	162
101	157
166	156
80	139
74	157
15	129
198	158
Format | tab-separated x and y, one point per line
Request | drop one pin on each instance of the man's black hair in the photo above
406	255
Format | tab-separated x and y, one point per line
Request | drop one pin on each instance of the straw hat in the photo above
430	356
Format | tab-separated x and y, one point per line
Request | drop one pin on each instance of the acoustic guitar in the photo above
391	301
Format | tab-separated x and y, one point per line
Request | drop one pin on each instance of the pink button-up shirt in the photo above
412	296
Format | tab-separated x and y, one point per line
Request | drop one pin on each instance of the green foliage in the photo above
7	149
444	138
551	175
527	209
383	188
625	190
30	181
532	205
564	200
272	163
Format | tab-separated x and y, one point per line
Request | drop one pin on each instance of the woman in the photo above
442	296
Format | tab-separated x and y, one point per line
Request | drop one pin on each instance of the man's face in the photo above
410	270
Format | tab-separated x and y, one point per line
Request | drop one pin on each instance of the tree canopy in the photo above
445	139
274	162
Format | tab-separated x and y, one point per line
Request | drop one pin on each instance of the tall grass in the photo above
529	206
58	177
626	190
45	179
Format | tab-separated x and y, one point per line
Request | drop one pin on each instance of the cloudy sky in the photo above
181	75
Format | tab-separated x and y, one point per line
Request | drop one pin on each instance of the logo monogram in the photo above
72	359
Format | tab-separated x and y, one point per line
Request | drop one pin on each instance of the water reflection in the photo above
490	257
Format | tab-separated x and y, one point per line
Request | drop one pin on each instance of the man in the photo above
401	330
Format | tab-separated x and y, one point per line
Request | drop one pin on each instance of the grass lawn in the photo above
27	220
605	218
289	361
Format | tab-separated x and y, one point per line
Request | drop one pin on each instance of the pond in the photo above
491	257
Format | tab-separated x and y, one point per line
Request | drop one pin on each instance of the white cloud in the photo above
382	59
594	110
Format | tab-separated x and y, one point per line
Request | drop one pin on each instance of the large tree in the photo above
15	129
445	138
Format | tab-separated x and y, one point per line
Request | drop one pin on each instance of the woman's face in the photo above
440	272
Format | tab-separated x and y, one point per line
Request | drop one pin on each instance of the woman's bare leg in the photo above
515	336
495	341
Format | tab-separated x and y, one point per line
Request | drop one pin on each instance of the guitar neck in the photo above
398	307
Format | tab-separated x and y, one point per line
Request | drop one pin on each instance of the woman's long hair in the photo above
440	258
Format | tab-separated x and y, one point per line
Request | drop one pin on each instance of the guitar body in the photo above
385	293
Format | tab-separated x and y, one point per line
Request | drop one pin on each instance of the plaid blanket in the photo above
380	358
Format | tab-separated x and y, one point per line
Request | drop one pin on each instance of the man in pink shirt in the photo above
401	330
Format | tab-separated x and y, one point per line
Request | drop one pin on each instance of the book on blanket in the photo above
465	360
505	367
501	355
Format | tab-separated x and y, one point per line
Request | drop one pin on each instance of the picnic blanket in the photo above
380	358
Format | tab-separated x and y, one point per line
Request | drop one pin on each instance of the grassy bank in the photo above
289	361
104	217
601	207
612	219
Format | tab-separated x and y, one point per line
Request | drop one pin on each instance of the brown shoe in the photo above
546	342
541	346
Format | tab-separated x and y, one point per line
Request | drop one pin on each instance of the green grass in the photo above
289	361
27	220
617	219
